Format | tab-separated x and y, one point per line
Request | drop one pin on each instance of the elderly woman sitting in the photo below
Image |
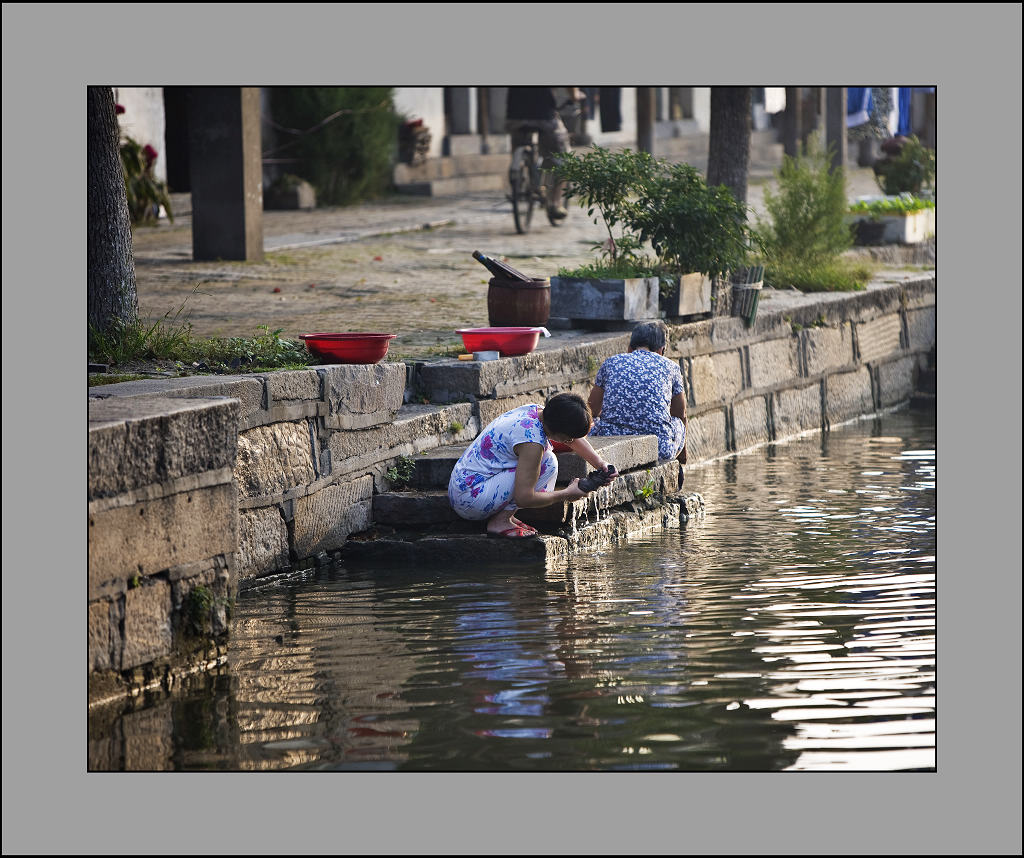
641	393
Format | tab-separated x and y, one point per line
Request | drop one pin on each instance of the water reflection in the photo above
792	628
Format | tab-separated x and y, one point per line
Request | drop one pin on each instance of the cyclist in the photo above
533	108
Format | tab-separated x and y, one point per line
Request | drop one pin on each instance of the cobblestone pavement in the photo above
401	265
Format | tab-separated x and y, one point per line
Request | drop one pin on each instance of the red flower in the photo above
118	109
150	153
378	259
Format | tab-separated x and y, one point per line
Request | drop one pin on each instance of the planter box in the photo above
910	228
693	297
610	300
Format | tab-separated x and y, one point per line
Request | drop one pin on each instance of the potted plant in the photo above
695	232
699	234
908	167
622	285
903	219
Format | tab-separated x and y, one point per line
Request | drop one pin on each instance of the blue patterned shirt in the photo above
638	389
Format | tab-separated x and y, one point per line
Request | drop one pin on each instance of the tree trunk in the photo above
112	294
729	143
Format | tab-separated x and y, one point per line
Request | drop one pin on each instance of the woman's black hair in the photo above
568	414
649	335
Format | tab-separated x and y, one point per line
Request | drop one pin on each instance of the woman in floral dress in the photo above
641	393
511	465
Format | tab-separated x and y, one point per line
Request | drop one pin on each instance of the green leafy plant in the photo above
145	193
646	490
456	427
905	203
691	226
911	169
607	183
402	471
343	137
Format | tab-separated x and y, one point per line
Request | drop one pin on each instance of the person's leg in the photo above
554	139
545	483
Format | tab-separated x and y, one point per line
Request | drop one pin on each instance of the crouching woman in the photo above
511	465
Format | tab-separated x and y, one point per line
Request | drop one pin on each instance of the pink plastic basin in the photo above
507	341
348	347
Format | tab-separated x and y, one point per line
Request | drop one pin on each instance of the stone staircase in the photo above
416	525
465	169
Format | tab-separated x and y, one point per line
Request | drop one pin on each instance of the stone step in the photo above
452	167
434	467
428	510
455	186
551	552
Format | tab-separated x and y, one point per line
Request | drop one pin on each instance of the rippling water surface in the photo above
791	628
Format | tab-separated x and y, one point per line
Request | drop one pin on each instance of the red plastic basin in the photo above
507	341
348	347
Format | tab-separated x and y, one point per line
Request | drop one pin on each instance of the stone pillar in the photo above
645	111
496	100
835	124
226	168
792	122
463	110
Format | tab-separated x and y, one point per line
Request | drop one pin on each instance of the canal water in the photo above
791	628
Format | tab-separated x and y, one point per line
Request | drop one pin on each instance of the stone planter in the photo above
692	297
609	300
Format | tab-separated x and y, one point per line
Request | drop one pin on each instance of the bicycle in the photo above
527	179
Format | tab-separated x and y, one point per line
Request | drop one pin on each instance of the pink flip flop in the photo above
516	531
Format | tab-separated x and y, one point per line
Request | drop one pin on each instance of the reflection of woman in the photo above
641	393
511	464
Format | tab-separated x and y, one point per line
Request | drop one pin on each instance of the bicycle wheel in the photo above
522	191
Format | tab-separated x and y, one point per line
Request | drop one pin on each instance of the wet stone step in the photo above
626	452
429	509
548	551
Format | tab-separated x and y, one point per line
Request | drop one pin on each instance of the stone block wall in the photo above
196	484
162	523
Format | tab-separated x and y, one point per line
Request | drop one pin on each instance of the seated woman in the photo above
641	393
511	465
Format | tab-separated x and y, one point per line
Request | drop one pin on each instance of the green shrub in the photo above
807	214
345	138
690	227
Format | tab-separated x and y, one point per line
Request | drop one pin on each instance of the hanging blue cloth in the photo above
858	105
904	124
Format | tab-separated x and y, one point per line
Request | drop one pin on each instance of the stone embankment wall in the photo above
197	484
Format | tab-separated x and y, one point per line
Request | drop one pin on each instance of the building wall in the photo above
143	120
426	103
